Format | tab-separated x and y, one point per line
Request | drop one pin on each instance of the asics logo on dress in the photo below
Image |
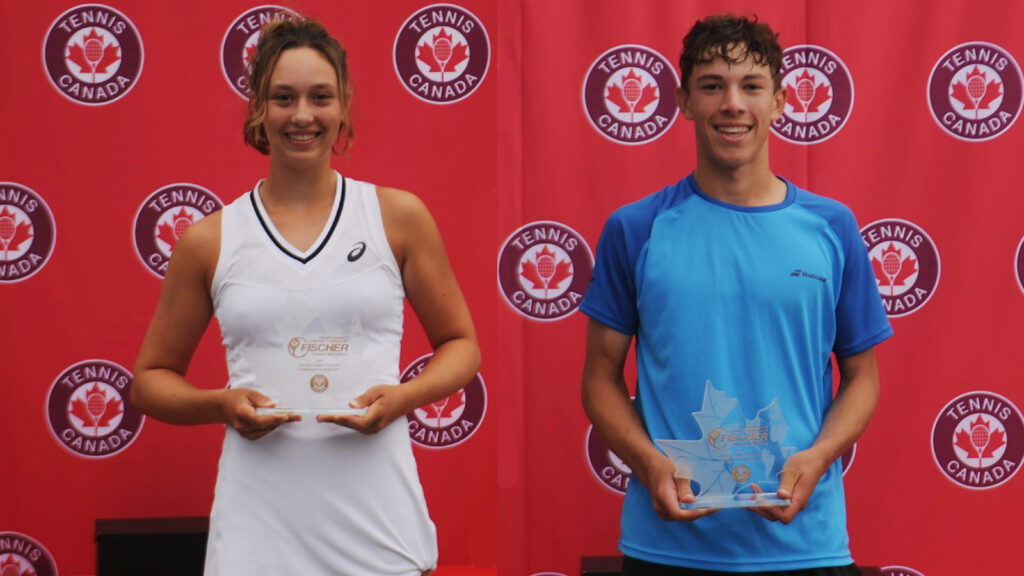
357	251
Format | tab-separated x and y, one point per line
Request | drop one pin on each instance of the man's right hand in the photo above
668	491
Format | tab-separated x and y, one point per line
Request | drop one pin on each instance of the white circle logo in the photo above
975	91
93	54
629	94
819	95
442	54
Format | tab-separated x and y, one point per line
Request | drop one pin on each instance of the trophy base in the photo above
315	411
746	500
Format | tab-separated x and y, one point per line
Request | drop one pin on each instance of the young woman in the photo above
314	265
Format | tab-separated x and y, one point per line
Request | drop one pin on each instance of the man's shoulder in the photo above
642	212
834	212
819	202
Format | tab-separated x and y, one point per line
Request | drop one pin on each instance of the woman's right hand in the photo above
239	408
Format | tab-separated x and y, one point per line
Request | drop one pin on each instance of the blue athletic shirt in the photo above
752	300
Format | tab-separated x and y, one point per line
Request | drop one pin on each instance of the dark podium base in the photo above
151	546
612	566
601	566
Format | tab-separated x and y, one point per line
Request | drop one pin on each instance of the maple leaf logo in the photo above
978	93
13	233
445	408
743	450
171	233
619	463
807	95
979	440
91	56
247	55
545	272
96	409
892	269
632	95
12	567
441	54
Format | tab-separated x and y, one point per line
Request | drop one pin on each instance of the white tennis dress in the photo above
318	326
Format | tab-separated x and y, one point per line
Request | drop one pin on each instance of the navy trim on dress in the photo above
327	238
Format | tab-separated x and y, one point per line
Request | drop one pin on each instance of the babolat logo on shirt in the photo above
805	274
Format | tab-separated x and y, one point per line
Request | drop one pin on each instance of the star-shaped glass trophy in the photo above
732	454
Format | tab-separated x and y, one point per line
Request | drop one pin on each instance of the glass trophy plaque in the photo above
732	454
305	377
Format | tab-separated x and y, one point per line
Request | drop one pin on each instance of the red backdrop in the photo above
559	112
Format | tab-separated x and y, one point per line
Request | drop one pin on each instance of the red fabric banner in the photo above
522	124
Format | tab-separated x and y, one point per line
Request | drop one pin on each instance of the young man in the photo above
733	279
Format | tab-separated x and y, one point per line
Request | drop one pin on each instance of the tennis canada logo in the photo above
906	264
900	571
27	233
1019	264
163	218
240	41
449	421
607	467
21	555
442	53
89	411
93	54
978	440
975	91
819	95
544	269
848	457
629	94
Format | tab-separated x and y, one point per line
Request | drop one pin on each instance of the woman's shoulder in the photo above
401	206
201	240
399	199
204	229
407	221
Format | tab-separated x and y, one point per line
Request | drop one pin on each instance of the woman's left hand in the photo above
384	403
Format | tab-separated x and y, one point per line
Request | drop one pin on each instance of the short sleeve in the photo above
861	321
611	296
